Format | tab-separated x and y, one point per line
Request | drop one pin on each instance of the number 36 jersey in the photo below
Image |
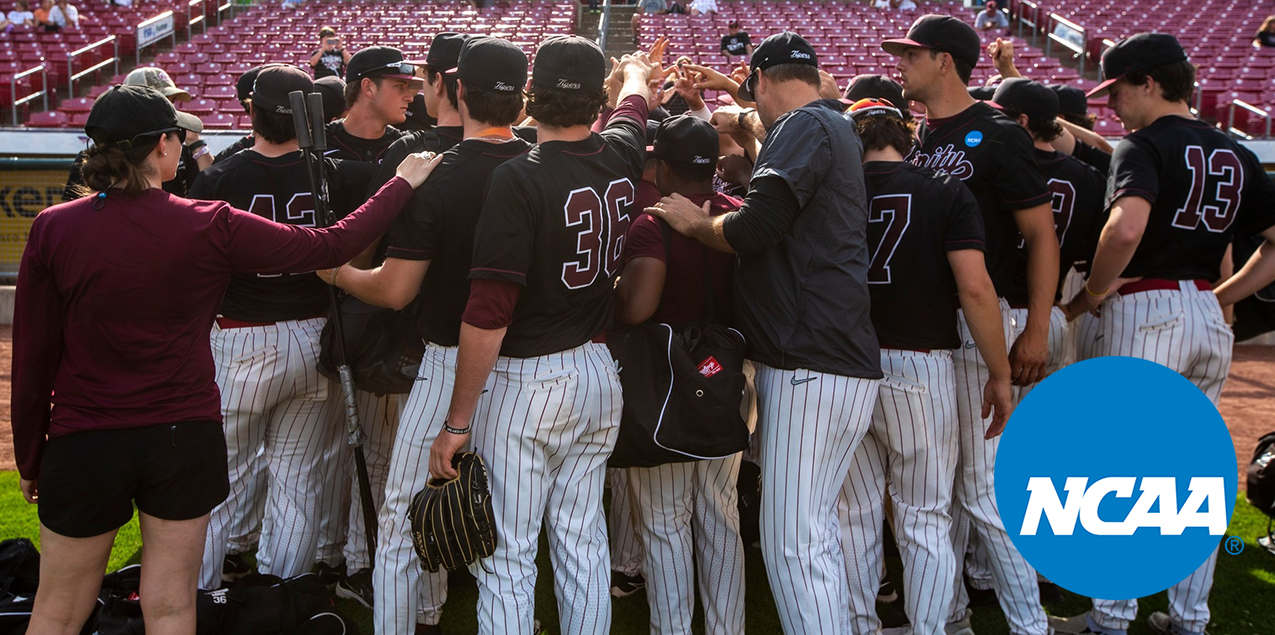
1203	188
916	216
554	221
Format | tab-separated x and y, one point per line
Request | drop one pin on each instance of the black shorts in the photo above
89	481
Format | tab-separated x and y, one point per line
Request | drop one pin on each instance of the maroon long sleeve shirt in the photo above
114	305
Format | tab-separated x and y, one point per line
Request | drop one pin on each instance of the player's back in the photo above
915	217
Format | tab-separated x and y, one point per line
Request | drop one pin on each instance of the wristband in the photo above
452	430
195	145
739	119
196	154
335	272
1098	294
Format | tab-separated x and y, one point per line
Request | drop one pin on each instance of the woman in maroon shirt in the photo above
114	402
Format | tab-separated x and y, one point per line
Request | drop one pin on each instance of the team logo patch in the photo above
973	139
710	367
1120	493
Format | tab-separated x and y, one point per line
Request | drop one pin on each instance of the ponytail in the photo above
109	166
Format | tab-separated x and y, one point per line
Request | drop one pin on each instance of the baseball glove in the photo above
451	521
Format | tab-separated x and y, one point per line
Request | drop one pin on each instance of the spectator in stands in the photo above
990	18
699	7
893	4
1264	38
65	16
654	7
42	15
21	14
736	41
331	57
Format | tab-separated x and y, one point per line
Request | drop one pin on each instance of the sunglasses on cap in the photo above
401	68
125	145
874	108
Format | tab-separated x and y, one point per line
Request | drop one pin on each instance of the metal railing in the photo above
43	92
1071	36
604	25
1230	118
192	19
1026	7
73	76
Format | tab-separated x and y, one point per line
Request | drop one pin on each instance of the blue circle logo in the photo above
973	139
1116	478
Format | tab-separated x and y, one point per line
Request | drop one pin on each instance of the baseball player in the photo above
380	85
546	253
802	303
993	156
1076	201
687	513
1178	191
265	343
925	233
429	254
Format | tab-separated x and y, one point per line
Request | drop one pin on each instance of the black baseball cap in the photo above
686	140
1071	100
1138	53
1031	98
877	87
380	61
492	63
982	93
274	83
569	64
243	86
444	50
124	113
780	48
333	91
941	33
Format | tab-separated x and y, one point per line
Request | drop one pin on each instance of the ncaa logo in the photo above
973	139
1116	478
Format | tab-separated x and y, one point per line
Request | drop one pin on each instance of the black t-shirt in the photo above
1078	202
278	188
230	151
1265	38
1203	187
331	63
343	145
802	302
995	158
554	221
1099	159
438	225
435	140
736	44
915	217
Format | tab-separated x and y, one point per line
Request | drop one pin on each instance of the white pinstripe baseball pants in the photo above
546	433
688	511
626	548
974	503
273	398
1059	344
1184	330
909	452
809	425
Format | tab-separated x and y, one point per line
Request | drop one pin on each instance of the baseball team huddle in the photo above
901	284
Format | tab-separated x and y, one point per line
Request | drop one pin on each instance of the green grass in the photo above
1241	600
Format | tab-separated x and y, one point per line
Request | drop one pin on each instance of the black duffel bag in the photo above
381	345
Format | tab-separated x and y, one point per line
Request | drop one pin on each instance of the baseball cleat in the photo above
624	585
886	592
357	587
234	567
961	626
328	574
1162	625
1078	625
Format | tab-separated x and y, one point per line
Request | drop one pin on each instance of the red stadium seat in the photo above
199	107
220	121
78	104
50	119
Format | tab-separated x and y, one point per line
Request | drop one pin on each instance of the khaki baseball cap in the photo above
159	80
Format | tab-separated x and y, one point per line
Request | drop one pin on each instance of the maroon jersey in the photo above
554	222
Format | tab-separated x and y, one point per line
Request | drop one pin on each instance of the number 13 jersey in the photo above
554	221
1203	188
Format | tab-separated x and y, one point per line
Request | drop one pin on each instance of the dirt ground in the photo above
1248	402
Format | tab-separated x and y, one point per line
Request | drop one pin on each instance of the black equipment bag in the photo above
19	578
1261	476
381	345
682	390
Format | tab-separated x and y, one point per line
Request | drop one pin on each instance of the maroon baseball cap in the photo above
381	61
940	33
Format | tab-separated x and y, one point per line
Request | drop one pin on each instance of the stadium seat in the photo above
49	119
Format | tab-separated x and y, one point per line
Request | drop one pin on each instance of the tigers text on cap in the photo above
941	33
686	140
870	107
124	113
494	64
444	51
270	91
1031	98
780	48
1138	53
380	61
569	64
159	80
877	87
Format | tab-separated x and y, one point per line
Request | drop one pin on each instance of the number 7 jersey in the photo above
1203	188
554	222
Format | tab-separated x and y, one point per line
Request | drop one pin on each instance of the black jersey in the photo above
278	188
916	216
438	225
231	150
736	44
343	145
1203	188
1078	203
993	155
554	221
433	140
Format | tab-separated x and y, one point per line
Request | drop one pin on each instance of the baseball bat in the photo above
307	116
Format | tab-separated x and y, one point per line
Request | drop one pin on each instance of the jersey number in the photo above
299	211
1221	179
602	221
896	211
1063	204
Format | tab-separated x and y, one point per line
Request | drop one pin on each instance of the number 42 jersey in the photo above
1203	188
